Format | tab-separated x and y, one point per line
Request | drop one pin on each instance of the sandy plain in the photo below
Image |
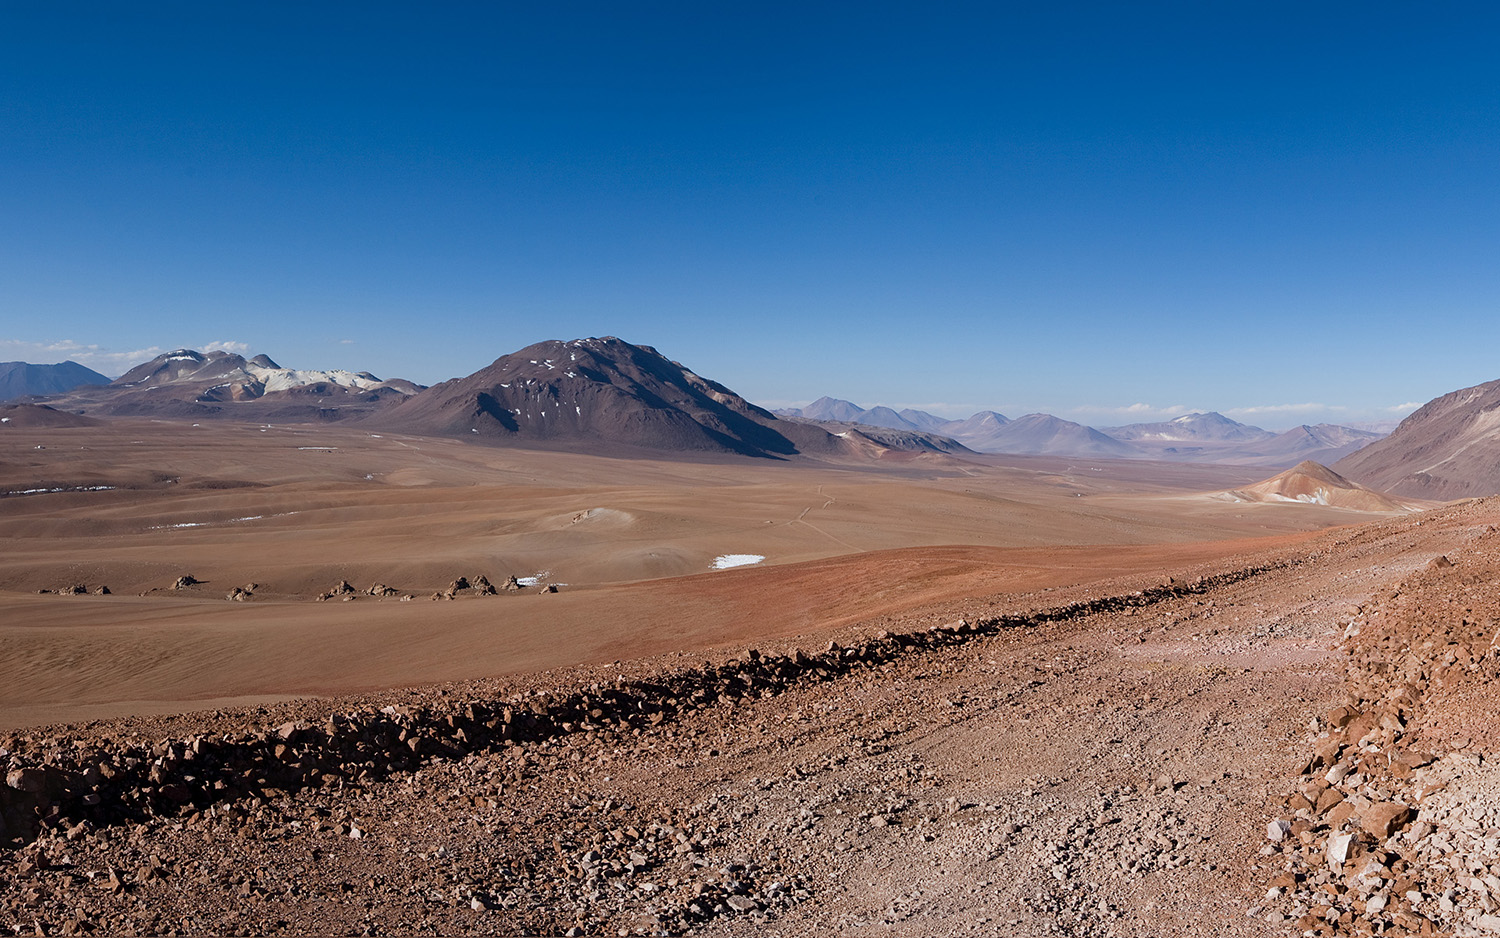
296	509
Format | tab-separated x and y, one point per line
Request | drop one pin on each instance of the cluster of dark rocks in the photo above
105	823
60	783
76	589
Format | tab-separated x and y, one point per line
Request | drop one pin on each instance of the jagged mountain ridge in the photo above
188	383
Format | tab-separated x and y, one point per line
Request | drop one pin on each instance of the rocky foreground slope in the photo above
1122	758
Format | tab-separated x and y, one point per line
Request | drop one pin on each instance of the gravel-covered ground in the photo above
1102	760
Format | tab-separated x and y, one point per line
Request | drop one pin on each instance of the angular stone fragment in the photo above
1384	818
30	780
1338	849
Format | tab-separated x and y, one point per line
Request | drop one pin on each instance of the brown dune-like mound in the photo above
40	415
1313	483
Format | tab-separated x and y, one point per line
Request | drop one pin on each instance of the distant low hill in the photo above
29	416
1048	435
1449	448
22	379
913	441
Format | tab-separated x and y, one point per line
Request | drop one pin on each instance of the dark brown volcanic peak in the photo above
178	366
1449	448
602	390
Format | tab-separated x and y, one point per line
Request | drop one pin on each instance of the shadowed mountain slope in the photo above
22	379
1449	448
603	390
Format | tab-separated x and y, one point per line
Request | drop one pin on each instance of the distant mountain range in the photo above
605	394
188	383
20	379
1209	437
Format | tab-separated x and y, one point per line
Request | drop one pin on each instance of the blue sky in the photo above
1111	212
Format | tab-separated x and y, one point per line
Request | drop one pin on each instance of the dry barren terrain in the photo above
957	697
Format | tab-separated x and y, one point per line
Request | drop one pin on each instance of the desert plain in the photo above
954	695
629	542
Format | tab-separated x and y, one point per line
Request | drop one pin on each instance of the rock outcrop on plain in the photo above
1311	483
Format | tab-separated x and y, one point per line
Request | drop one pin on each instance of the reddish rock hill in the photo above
589	392
1450	448
1315	484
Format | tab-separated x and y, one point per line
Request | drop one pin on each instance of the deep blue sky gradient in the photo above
1061	207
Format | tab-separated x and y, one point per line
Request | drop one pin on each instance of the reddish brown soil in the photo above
1097	754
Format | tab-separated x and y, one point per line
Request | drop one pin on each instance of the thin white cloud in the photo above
1309	407
346	341
777	404
1135	410
238	348
104	360
942	408
1406	408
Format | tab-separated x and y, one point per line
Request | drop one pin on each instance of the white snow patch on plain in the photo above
536	580
62	488
324	449
725	561
204	524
